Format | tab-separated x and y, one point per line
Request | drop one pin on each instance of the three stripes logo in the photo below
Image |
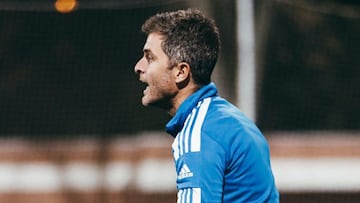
185	172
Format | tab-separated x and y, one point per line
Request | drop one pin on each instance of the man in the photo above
220	155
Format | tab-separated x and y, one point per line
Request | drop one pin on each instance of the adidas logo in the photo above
185	172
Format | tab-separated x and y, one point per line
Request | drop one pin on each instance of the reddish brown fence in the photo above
85	170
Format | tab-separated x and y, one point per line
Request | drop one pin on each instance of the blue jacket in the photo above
220	155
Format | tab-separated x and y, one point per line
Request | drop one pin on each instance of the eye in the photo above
149	57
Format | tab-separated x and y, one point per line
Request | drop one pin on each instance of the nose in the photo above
140	66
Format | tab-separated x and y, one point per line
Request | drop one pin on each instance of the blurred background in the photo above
72	127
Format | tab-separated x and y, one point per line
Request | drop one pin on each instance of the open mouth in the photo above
146	90
144	86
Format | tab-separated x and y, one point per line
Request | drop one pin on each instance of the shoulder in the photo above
225	123
223	114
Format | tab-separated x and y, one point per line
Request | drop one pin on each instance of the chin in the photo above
147	101
144	102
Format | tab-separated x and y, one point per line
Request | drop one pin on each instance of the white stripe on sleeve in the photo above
196	195
196	132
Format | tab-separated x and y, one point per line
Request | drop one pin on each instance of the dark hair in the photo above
189	36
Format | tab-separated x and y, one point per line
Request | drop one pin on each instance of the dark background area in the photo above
311	71
72	74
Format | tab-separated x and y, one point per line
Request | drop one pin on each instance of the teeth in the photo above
146	89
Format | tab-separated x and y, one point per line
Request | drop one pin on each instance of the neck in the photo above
181	96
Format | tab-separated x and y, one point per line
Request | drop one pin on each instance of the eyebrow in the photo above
148	51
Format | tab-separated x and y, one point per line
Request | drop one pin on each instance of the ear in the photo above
182	72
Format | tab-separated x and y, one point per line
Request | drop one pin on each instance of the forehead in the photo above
153	43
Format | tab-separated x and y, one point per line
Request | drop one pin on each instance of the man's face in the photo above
153	69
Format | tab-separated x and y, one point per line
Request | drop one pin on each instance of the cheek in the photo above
162	84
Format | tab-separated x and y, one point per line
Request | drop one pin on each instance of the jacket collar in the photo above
177	122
